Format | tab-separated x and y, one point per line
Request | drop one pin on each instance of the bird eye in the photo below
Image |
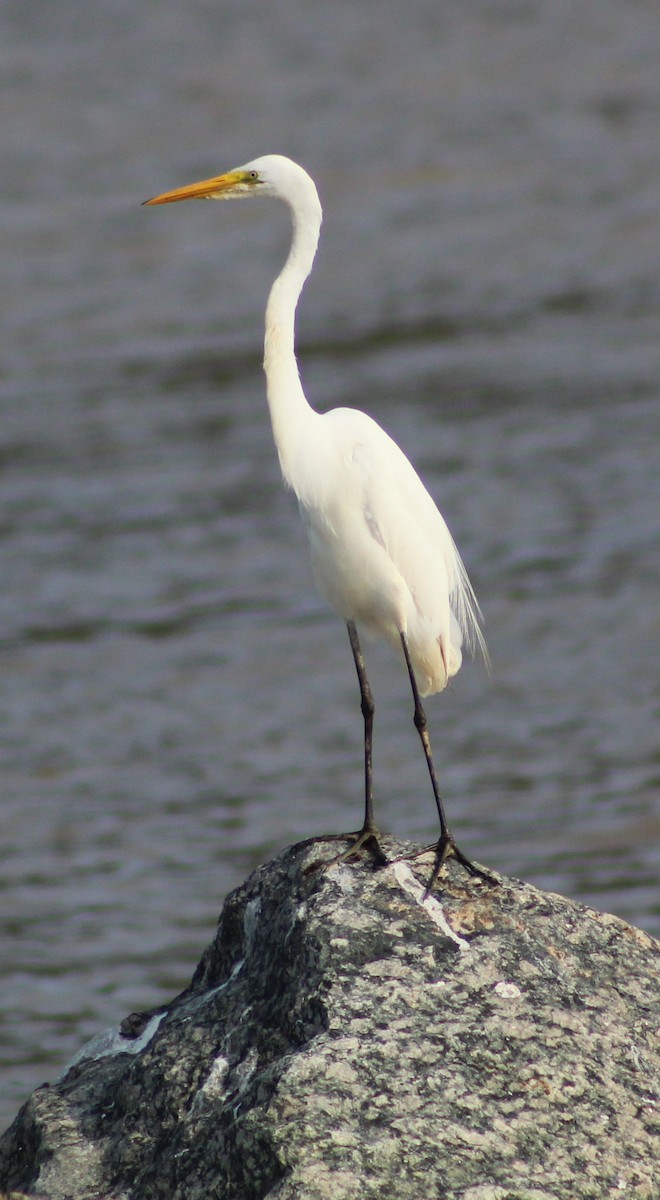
253	174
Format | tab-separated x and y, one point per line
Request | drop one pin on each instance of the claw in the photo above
446	848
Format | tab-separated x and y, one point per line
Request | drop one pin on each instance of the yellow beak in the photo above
220	188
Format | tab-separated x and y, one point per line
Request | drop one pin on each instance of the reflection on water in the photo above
175	702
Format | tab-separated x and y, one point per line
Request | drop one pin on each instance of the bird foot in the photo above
446	848
367	839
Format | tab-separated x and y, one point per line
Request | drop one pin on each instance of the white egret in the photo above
381	552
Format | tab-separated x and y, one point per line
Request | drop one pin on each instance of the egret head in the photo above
272	175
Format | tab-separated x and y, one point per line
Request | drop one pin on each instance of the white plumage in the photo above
381	552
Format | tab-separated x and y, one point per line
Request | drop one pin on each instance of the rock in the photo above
343	1038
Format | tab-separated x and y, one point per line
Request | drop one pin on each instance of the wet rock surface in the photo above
343	1037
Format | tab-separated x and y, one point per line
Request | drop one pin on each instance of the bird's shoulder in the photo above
375	468
358	438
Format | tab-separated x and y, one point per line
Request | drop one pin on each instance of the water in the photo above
175	702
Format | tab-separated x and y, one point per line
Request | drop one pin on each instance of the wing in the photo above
402	514
381	551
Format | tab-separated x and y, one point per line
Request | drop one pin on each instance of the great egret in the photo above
381	552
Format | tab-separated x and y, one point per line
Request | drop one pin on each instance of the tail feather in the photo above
465	607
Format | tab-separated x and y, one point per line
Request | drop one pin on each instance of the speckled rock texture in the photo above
344	1038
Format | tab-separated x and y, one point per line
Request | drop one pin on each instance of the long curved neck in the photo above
290	414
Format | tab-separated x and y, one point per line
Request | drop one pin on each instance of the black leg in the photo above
421	726
445	844
366	838
368	708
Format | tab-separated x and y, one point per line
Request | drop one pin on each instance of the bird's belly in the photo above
358	579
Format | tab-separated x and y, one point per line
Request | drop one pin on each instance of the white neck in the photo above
290	413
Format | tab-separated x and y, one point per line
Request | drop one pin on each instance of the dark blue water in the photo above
175	702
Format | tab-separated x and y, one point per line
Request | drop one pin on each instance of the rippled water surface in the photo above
176	703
